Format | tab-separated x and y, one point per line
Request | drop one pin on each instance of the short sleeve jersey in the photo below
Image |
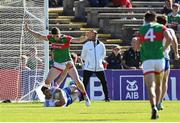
61	48
50	102
151	38
173	19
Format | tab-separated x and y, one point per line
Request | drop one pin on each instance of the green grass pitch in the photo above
99	111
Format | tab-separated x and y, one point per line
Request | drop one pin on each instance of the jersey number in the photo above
150	35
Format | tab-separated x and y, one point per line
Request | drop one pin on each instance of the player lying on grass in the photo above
56	97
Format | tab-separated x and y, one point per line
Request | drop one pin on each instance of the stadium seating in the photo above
92	12
69	26
117	26
66	27
147	3
104	19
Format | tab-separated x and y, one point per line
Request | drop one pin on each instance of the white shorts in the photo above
153	66
61	66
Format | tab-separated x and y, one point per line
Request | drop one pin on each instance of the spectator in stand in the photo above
24	59
55	3
77	60
131	57
51	58
167	7
34	62
114	60
74	57
174	20
98	3
178	2
176	64
122	3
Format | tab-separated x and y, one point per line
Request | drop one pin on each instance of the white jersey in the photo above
166	52
51	102
65	98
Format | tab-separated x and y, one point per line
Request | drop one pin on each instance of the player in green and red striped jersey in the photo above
61	55
150	42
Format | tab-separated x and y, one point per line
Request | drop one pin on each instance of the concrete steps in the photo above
69	26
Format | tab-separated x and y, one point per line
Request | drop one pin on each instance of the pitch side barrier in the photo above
129	85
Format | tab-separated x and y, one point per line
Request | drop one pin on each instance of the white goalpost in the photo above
18	47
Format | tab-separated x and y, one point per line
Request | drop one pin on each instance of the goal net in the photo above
23	58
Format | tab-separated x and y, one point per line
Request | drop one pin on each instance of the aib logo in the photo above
132	86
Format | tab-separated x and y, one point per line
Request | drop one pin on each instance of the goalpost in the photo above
18	82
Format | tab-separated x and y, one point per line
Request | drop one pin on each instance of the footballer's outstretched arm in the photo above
35	34
82	39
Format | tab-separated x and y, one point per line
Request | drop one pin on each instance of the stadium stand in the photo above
92	12
104	19
112	23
